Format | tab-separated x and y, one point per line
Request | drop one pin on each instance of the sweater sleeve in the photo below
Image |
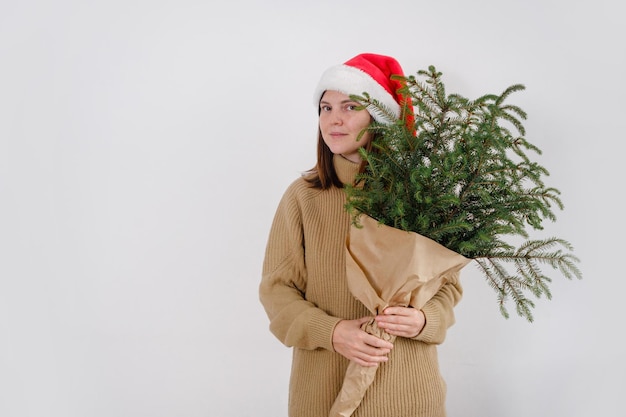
294	320
439	311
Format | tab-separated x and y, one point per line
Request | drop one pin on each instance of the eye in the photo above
325	107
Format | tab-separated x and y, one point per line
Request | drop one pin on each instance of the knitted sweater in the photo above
305	294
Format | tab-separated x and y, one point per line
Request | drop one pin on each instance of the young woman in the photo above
304	289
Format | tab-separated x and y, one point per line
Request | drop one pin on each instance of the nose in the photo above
336	117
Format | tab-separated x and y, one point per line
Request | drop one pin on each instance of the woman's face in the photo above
341	123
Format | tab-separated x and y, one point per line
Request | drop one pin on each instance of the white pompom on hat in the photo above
366	73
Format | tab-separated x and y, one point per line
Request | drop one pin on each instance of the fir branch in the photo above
465	180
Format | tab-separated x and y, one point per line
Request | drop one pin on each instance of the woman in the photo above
304	289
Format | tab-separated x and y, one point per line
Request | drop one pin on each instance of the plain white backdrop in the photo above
144	146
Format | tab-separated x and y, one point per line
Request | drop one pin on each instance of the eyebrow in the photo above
341	102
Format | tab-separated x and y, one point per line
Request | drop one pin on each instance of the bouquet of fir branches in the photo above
445	185
463	177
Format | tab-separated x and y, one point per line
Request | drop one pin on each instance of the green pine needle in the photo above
465	178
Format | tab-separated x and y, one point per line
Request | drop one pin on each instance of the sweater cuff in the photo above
322	327
430	330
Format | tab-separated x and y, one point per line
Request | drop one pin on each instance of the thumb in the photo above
363	320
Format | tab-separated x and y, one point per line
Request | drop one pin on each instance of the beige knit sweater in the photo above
304	292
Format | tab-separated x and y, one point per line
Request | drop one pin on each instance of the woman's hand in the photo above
359	346
402	321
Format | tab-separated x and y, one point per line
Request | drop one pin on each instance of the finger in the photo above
394	328
377	342
372	357
385	322
397	311
365	363
398	327
379	349
390	320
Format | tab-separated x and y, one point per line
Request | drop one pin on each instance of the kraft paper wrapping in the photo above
389	267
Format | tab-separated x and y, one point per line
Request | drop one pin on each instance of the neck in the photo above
346	169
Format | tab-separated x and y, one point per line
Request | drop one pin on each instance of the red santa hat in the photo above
369	73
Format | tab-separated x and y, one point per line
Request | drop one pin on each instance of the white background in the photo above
144	146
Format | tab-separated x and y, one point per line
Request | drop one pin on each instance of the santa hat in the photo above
369	73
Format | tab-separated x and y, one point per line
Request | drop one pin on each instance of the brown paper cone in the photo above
358	378
389	267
